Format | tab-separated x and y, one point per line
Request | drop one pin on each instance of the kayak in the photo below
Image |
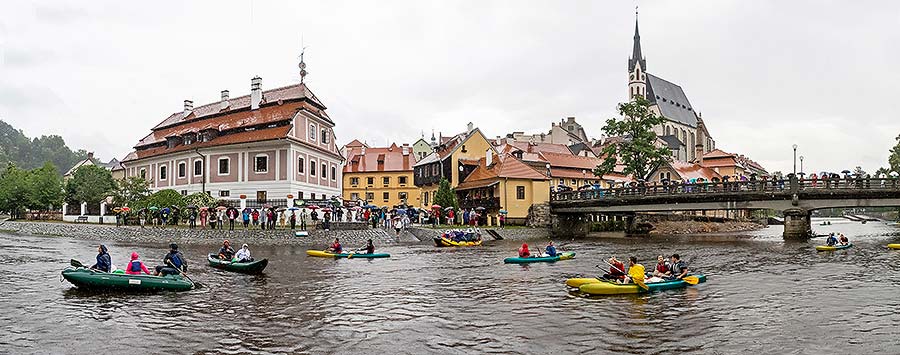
543	259
253	267
603	287
98	280
893	246
836	247
323	254
447	242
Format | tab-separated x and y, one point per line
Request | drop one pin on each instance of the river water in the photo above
763	295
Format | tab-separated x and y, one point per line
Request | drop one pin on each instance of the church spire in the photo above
636	56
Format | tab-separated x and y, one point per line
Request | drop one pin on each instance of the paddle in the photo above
691	279
184	274
76	263
640	283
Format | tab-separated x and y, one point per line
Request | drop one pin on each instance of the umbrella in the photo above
327	209
294	208
126	209
221	208
356	208
845	172
312	207
204	208
435	206
154	208
894	174
503	212
448	208
117	209
479	208
248	209
267	206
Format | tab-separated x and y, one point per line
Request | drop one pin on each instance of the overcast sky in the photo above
765	74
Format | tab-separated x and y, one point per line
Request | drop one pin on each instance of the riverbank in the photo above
155	235
697	227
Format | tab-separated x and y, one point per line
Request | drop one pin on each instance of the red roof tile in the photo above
689	171
241	137
379	159
503	167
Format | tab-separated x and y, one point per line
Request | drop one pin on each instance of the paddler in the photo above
335	247
635	272
616	270
243	254
174	262
831	241
368	249
844	240
136	266
226	252
678	267
104	262
524	252
662	268
551	250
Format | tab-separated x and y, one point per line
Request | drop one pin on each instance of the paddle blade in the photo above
692	280
641	284
76	263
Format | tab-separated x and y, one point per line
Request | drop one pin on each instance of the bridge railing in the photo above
712	188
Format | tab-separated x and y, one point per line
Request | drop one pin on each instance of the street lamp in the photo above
801	164
795	159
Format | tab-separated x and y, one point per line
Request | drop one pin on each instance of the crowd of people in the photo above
669	269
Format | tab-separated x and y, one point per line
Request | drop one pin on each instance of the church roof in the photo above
636	55
672	141
672	102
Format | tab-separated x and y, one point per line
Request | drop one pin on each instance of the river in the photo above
764	295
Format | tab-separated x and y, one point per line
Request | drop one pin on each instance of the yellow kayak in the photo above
893	246
577	282
836	247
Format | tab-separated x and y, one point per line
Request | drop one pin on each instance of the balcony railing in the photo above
489	203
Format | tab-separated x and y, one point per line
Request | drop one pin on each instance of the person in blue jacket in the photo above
173	258
551	250
104	262
831	241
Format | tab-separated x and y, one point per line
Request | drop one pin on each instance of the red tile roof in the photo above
529	147
379	159
506	166
258	135
355	144
689	171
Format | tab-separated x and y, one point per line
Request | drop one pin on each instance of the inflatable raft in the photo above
253	267
98	280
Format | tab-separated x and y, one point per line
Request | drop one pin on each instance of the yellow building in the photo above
380	176
453	159
503	183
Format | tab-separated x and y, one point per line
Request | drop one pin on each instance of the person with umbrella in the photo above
245	216
255	215
263	218
314	216
213	219
293	217
192	217
232	214
204	215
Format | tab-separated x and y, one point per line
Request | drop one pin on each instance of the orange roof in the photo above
241	137
689	171
571	161
529	147
506	166
717	153
355	144
380	159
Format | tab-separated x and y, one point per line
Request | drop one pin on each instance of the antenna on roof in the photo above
302	64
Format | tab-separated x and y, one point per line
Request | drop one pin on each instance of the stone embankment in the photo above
181	235
697	227
426	234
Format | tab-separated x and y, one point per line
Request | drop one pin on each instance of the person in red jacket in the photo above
524	252
616	270
136	266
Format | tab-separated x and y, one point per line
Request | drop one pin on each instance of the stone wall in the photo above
523	233
539	215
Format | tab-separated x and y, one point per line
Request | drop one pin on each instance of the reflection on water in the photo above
763	294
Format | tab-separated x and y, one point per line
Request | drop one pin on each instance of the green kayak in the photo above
543	259
98	280
253	267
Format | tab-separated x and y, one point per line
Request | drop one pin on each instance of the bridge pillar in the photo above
797	224
569	225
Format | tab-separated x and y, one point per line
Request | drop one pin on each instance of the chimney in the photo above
91	155
255	92
488	158
470	127
405	149
362	150
188	107
224	103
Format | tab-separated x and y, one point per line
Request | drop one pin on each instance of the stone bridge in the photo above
795	198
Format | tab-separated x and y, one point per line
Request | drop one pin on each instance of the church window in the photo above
632	76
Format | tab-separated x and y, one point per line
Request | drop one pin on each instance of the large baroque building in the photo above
683	129
268	145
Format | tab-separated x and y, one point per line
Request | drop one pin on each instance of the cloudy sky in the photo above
765	74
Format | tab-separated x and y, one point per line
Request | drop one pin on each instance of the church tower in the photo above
637	67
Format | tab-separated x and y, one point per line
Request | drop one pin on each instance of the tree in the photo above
199	199
859	171
446	196
894	158
638	151
45	188
90	184
165	198
130	190
13	190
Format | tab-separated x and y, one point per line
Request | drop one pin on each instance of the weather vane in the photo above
302	64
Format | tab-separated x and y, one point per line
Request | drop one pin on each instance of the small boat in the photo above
301	234
542	259
593	286
447	242
893	246
97	280
253	267
324	254
832	248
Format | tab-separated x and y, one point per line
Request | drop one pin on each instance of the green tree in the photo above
638	151
199	199
894	158
13	190
45	188
90	184
165	198
446	196
130	190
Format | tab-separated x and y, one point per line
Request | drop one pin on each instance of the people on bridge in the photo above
524	252
243	254
662	268
831	241
844	240
635	272
104	262
174	262
616	270
678	268
551	250
136	266
226	252
335	247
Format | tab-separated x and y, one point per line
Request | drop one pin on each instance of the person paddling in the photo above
662	268
335	247
136	266
551	250
174	262
104	262
243	254
635	272
524	252
831	241
844	240
368	249
226	252
615	270
678	267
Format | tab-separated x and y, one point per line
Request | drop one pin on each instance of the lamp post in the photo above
801	164
795	159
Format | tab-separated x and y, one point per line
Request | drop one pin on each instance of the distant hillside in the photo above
30	153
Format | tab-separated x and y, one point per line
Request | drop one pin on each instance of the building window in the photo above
301	164
312	168
224	166
182	169
333	173
386	180
183	192
143	174
370	181
520	192
224	193
198	167
401	196
354	181
425	199
324	171
370	196
163	172
434	170
402	180
354	196
312	132
385	196
312	196
574	182
261	164
324	136
261	196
